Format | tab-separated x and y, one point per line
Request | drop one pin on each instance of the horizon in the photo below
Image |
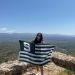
42	33
30	16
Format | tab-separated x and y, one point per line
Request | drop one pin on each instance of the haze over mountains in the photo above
30	36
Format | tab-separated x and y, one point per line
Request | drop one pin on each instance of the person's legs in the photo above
39	70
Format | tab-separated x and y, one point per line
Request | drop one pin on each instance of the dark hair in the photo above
41	38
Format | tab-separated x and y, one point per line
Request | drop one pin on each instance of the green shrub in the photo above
67	72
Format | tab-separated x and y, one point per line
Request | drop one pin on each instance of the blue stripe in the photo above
35	56
42	50
34	59
35	63
43	46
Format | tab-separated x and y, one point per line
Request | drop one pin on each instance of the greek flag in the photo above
38	54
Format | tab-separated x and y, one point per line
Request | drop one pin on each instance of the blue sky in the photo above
32	16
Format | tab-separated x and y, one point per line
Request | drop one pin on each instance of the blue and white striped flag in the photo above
35	53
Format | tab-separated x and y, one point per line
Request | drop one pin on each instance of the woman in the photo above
39	39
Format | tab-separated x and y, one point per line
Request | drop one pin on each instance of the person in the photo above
38	40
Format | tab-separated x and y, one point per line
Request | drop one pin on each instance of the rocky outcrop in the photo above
64	60
48	69
13	68
18	68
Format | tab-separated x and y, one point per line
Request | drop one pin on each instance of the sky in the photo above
33	16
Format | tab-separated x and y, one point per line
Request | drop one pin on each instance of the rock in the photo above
64	60
13	68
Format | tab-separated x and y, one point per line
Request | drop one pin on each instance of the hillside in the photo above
9	44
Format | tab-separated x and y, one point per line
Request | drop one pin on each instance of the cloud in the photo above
7	30
3	29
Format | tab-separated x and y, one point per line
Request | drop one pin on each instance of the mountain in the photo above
29	36
15	36
9	44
